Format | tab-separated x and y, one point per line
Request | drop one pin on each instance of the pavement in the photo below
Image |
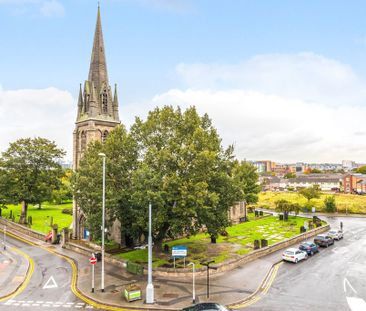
237	287
170	293
13	271
333	279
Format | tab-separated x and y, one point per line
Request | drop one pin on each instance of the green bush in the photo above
330	204
67	211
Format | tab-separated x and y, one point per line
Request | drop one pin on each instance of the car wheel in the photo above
306	257
296	260
311	253
326	245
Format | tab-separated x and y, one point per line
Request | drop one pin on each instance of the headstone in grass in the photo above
264	243
256	244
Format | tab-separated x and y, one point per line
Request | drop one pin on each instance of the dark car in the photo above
207	306
323	240
309	247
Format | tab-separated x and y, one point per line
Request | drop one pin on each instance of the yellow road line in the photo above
74	289
30	271
261	290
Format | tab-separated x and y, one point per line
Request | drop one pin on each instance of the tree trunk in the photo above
23	215
213	239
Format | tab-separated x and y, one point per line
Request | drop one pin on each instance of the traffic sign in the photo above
93	260
179	251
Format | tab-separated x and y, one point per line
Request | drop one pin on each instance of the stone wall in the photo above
232	264
22	229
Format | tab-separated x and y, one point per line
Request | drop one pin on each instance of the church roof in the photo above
98	65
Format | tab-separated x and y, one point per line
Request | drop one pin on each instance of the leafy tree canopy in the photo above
30	171
311	192
362	169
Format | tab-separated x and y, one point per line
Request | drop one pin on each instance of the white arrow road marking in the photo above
51	283
345	281
356	304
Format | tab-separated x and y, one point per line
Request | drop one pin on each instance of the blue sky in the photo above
157	46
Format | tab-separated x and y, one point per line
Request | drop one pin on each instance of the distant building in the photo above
326	182
348	165
354	183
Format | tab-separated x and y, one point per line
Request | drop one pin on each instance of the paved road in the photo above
49	286
334	279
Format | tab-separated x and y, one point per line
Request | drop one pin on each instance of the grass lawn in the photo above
239	241
350	202
41	217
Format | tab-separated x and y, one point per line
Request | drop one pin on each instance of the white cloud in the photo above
52	8
286	108
306	76
48	113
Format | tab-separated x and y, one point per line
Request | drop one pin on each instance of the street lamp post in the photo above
150	286
4	237
103	218
207	264
194	285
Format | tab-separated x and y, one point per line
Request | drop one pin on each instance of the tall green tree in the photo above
121	160
286	207
310	193
184	172
64	193
246	178
30	170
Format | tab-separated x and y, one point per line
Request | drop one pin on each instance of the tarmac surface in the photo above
330	280
333	279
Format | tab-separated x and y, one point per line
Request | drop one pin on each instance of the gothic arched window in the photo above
104	136
83	141
105	102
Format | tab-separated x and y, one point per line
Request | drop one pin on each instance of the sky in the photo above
282	80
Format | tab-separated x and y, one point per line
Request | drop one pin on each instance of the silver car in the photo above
336	234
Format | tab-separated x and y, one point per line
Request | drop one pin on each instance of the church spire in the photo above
98	66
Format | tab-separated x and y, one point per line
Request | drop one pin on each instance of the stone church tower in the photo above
97	112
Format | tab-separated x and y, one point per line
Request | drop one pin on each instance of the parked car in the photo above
336	234
294	255
309	247
323	240
207	306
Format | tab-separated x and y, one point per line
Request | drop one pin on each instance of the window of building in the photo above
105	102
83	141
104	136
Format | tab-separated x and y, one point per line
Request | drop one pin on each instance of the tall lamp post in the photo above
150	286
207	264
194	285
103	218
4	237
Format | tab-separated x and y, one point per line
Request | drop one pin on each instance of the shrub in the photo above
67	211
330	204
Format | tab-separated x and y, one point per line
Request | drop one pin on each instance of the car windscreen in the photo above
288	253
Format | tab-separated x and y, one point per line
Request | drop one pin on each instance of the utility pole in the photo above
4	237
103	218
207	264
150	286
194	285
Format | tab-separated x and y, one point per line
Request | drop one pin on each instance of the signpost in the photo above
93	261
179	252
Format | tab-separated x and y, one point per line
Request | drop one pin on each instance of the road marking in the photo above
261	290
27	278
73	286
356	304
51	283
345	281
48	304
